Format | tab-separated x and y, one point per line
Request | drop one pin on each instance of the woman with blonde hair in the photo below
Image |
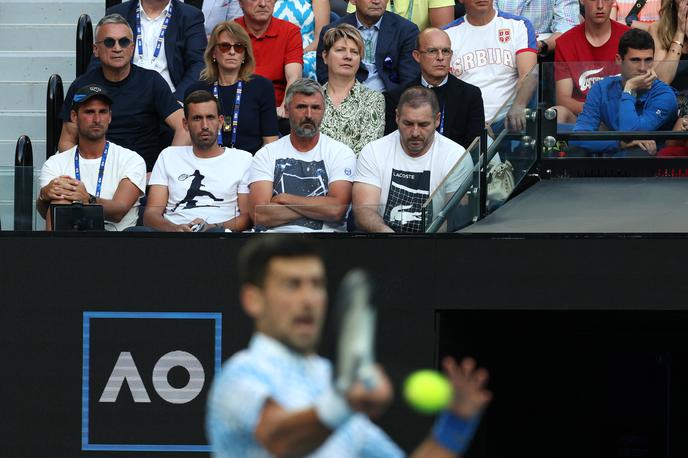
354	114
669	34
247	100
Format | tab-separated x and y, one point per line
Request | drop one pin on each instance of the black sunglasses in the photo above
109	42
239	48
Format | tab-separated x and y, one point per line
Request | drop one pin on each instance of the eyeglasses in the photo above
434	52
109	42
224	48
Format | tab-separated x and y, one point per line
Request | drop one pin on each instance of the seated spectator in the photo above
585	55
550	18
354	114
669	33
202	185
277	46
423	13
216	11
228	74
388	40
310	16
462	115
638	17
142	98
634	101
180	57
396	174
95	171
494	51
302	182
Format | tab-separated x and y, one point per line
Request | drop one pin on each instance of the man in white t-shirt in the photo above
494	50
94	171
396	174
302	182
203	186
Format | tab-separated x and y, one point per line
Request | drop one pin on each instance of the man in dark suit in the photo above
462	117
389	40
184	39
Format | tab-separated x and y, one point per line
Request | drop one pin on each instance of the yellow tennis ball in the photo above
428	391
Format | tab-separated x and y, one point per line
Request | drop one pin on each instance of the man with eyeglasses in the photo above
172	39
389	39
142	98
462	116
633	101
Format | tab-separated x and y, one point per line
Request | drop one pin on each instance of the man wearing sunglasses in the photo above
462	116
142	98
180	27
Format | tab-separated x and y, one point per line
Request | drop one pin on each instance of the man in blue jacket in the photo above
387	65
635	100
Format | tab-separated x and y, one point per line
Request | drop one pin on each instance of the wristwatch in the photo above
544	47
91	199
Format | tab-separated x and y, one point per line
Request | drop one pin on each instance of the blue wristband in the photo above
454	433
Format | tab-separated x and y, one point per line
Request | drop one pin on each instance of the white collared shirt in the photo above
150	29
370	35
424	83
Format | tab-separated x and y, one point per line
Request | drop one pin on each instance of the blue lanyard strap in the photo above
235	115
441	128
161	38
101	170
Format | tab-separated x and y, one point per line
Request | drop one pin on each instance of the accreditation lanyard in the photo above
101	171
441	128
161	38
235	115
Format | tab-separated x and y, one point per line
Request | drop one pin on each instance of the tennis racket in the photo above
356	319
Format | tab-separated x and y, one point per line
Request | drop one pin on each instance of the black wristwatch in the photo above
544	47
91	199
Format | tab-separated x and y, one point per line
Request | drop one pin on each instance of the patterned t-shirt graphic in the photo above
306	179
407	193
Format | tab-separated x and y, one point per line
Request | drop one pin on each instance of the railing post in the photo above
23	185
54	100
84	43
483	174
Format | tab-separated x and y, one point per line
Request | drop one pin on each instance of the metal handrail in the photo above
54	101
84	43
627	135
23	184
466	185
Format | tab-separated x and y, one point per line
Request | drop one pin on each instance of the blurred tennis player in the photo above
277	397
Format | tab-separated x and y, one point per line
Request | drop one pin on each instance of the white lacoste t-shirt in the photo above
405	182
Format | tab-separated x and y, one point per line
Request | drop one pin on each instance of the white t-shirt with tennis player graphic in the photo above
406	182
205	188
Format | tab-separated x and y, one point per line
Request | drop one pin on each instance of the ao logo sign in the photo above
145	380
125	369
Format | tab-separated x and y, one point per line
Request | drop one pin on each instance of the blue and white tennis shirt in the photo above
268	369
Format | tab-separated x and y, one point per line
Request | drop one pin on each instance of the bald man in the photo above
462	116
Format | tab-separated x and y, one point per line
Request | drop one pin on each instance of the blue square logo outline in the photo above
85	378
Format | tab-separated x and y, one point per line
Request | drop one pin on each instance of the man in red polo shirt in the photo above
277	46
